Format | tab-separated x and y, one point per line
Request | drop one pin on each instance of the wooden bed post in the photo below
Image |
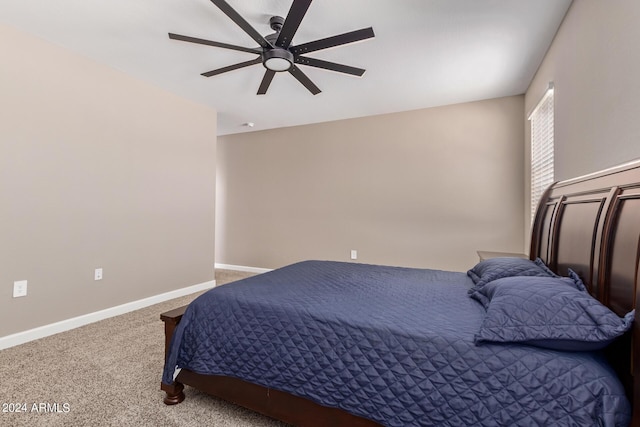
174	392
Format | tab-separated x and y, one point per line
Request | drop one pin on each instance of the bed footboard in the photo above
174	392
272	403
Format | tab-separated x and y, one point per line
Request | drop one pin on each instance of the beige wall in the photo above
594	62
424	188
96	170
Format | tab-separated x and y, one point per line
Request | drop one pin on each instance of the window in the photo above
541	148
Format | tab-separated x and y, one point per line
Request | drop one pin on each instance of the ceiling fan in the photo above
276	52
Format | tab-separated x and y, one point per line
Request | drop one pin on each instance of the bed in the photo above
322	343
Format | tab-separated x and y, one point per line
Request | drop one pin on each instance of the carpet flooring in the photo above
108	374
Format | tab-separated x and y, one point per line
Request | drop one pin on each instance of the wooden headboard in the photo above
591	224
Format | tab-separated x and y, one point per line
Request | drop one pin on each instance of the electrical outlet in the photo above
20	288
354	254
97	275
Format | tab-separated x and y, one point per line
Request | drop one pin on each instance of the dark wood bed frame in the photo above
590	224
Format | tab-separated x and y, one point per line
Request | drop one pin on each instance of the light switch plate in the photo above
20	288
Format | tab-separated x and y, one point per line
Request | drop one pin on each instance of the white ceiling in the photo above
426	52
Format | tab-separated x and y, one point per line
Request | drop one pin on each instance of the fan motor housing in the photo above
277	58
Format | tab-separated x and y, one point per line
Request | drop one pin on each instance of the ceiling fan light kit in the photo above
275	50
277	59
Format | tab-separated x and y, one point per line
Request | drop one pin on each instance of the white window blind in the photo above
541	148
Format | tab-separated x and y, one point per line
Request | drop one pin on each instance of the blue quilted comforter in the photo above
391	344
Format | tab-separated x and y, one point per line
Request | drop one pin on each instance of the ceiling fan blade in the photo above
232	67
266	81
292	22
332	66
240	21
302	78
212	43
350	37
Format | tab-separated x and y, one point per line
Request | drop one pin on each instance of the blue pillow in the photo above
497	268
552	312
484	294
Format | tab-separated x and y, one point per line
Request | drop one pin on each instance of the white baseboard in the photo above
75	322
242	268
